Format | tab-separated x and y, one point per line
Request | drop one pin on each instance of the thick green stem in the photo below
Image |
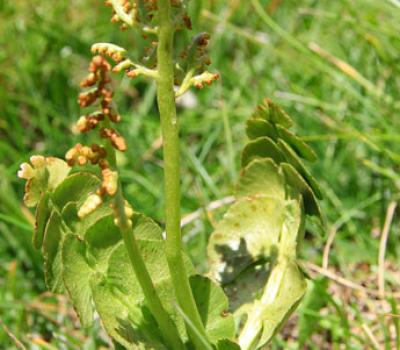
167	326
170	134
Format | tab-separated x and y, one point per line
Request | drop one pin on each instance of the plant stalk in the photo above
167	326
170	135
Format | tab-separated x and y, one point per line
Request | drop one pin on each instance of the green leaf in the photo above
247	287
263	147
96	268
256	128
57	170
273	113
102	237
46	175
262	176
53	238
213	306
80	226
252	252
82	258
76	273
297	185
294	160
75	188
292	290
42	214
227	345
260	128
285	288
301	148
269	307
122	306
248	232
130	322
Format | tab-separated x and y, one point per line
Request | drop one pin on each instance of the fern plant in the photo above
110	259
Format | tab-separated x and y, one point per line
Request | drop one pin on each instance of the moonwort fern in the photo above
109	258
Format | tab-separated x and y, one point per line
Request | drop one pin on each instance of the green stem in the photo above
167	327
170	134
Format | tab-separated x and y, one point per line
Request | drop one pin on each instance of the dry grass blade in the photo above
327	248
382	247
345	282
187	219
368	332
345	68
17	342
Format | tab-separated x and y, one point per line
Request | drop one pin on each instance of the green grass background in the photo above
335	68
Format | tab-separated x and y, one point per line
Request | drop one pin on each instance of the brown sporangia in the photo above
101	95
82	155
116	139
98	81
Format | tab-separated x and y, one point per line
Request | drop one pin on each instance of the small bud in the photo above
95	147
82	160
99	63
99	151
105	132
204	78
117	222
87	98
116	118
101	192
128	210
107	96
126	5
124	11
133	73
70	156
110	181
102	152
187	22
94	159
103	164
123	65
119	143
202	39
90	205
82	124
115	52
81	155
90	80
